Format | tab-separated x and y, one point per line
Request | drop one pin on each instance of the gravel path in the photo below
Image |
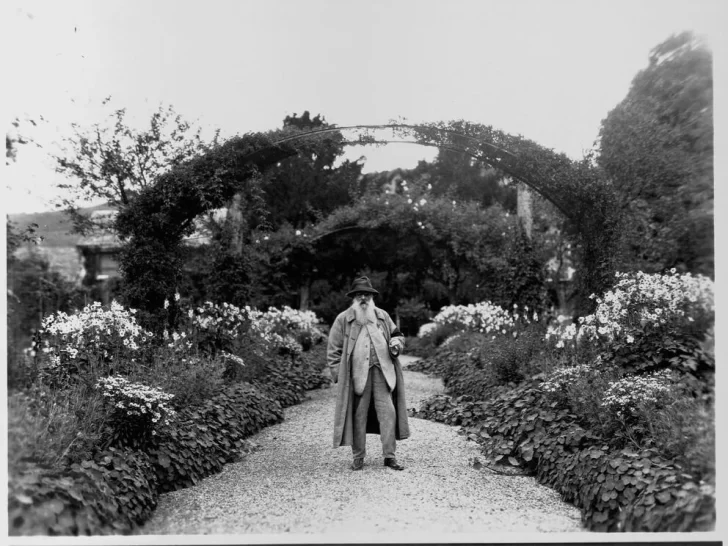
295	482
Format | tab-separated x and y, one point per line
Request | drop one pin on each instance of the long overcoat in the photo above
342	338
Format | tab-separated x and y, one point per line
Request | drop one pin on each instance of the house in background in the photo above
98	254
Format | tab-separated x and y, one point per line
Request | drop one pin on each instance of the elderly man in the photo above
362	356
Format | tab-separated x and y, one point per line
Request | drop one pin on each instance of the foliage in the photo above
92	342
34	291
657	147
161	215
430	248
458	175
648	322
205	437
106	495
617	489
301	189
136	410
114	161
112	490
483	317
191	378
632	445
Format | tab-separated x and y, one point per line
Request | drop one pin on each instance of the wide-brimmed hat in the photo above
362	284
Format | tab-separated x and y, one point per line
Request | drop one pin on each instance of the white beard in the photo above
364	314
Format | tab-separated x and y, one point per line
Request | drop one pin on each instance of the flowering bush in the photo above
483	317
137	409
283	328
647	322
561	378
220	327
96	339
426	329
628	396
215	327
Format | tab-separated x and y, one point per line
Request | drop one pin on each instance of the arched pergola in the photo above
154	225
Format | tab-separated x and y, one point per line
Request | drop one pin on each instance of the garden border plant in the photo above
117	489
607	413
154	224
148	441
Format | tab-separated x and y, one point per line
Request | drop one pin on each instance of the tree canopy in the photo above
657	148
161	215
114	161
304	188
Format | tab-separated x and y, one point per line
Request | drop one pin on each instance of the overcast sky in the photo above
549	70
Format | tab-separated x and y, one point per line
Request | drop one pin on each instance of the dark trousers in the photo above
376	387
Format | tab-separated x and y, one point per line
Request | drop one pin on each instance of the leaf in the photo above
55	505
24	499
527	453
163	460
513	461
663	496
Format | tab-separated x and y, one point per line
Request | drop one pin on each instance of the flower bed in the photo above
616	489
615	412
181	411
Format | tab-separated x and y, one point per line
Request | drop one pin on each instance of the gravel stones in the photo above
295	482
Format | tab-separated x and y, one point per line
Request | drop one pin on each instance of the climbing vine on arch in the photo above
154	225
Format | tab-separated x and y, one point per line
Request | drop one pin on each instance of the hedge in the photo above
615	490
118	489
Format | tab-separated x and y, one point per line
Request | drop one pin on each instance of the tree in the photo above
429	249
459	175
113	161
304	188
657	147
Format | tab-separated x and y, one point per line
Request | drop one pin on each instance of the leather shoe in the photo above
392	463
358	464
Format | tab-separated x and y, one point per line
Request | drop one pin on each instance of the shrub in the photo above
107	495
205	437
93	342
38	431
192	378
54	503
649	322
64	477
617	490
53	427
136	410
513	358
482	317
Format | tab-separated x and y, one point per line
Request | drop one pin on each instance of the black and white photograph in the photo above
363	271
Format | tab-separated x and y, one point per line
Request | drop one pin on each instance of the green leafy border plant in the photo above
117	489
617	490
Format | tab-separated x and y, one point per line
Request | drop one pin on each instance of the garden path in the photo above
294	482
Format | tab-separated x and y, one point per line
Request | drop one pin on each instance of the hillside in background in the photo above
53	226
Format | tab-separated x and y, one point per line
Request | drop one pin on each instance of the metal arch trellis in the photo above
161	214
498	157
